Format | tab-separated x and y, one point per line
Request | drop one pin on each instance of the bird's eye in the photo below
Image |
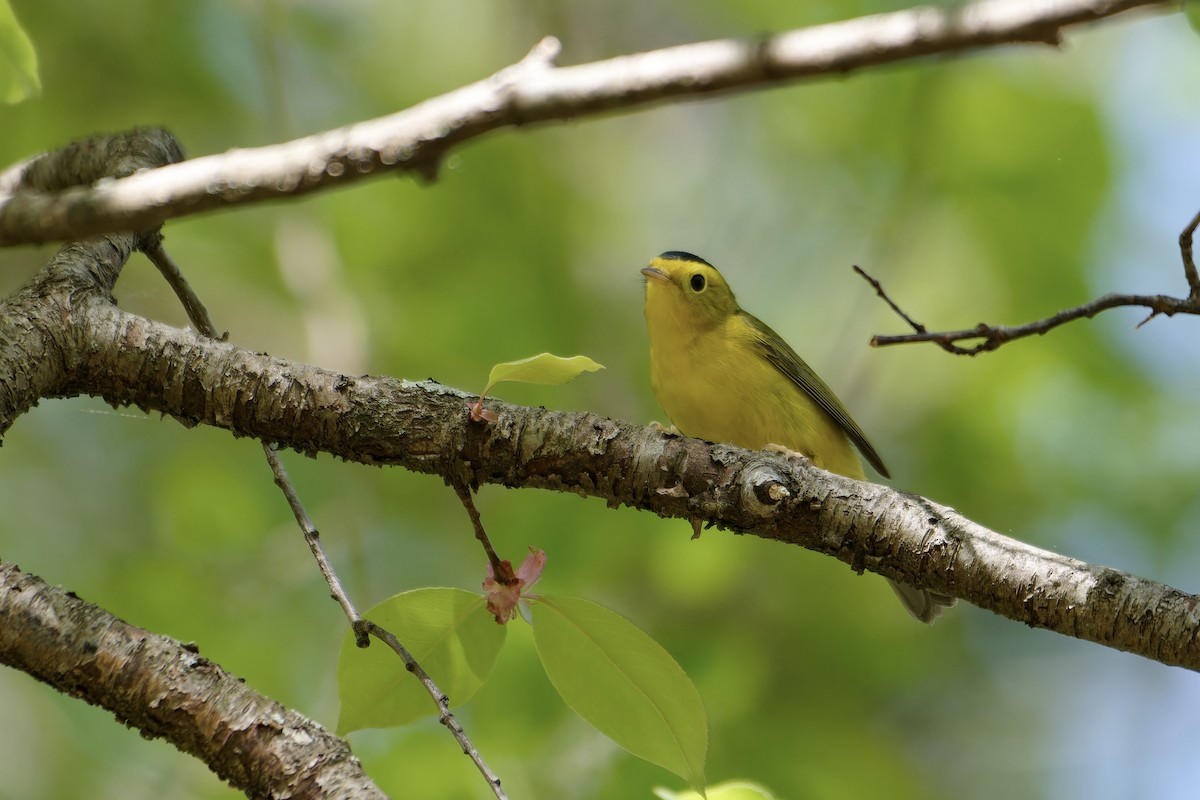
697	282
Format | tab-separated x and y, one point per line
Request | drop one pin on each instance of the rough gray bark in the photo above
167	689
130	360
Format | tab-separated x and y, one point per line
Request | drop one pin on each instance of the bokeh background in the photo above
999	186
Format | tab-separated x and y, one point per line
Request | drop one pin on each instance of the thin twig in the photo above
192	304
501	571
313	537
199	316
1185	249
916	326
994	336
364	627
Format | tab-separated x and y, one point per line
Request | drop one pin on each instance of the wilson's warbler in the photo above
723	375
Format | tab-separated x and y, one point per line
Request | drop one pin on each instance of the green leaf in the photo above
18	60
729	790
623	682
448	632
544	368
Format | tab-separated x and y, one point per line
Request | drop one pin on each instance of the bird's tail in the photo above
924	605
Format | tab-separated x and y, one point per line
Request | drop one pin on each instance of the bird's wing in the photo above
784	358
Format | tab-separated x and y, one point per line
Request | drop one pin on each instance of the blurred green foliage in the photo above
999	186
18	59
449	632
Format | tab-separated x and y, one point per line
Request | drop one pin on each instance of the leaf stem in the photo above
502	571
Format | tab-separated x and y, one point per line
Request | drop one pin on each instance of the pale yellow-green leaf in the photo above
544	368
624	683
18	60
729	790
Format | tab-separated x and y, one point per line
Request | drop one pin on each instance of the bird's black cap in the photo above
680	255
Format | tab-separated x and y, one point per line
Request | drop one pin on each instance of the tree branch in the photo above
425	427
532	91
167	690
37	347
993	336
364	627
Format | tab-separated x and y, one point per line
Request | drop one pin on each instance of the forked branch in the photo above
993	336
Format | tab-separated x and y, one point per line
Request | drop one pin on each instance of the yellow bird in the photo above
721	374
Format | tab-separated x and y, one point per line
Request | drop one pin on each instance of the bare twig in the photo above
192	304
994	336
535	91
313	537
916	326
500	571
364	627
1185	249
199	316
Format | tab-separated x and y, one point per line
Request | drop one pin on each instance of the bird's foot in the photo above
786	452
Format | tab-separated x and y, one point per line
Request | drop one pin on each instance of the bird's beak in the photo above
656	274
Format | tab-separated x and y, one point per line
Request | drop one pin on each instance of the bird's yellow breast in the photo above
714	383
723	375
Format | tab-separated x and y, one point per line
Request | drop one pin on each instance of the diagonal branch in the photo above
167	689
532	91
424	427
364	627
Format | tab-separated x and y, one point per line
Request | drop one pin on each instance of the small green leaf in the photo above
729	790
18	60
623	682
448	632
545	368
